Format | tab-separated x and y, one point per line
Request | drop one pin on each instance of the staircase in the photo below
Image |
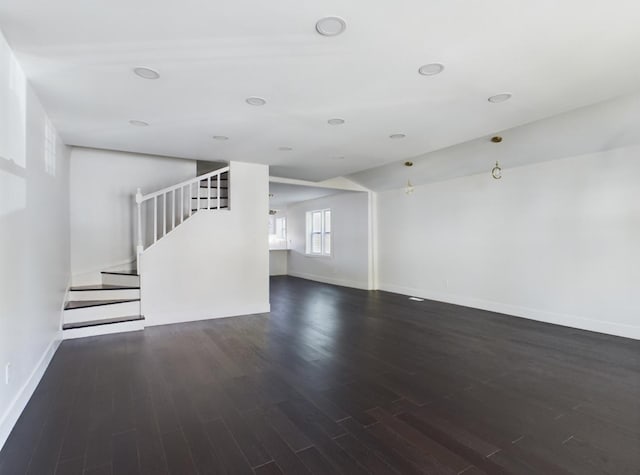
114	304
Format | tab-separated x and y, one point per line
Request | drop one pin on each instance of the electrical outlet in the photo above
7	373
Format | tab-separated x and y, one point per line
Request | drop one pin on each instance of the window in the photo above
319	232
277	232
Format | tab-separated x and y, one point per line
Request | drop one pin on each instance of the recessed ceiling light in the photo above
256	101
336	121
331	26
147	73
505	96
220	137
337	158
139	123
285	149
397	136
431	69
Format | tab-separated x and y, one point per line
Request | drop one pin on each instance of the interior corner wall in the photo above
215	264
103	212
349	263
34	239
556	241
278	262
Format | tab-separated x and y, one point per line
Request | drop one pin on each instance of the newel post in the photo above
140	246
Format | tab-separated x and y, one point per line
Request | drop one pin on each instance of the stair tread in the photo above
213	187
213	207
103	287
133	272
74	304
105	321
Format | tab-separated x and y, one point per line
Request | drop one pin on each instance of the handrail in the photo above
182	184
171	190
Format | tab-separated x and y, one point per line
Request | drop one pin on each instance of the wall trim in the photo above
19	402
567	320
170	318
331	280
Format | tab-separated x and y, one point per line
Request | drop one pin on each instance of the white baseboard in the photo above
330	280
170	318
573	321
11	415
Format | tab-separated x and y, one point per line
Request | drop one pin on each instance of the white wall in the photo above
216	264
557	241
278	262
103	220
349	263
34	239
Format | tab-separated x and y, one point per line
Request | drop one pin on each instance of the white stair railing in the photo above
169	194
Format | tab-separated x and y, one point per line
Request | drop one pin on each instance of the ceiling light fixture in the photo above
139	123
431	69
498	98
285	149
496	172
331	26
337	158
397	136
335	121
255	101
220	137
409	188
146	73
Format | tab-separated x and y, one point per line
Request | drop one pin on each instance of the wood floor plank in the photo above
177	453
281	453
336	380
226	448
125	453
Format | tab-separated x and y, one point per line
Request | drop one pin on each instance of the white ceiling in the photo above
553	56
613	124
285	194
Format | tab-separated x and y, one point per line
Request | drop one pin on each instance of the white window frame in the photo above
323	232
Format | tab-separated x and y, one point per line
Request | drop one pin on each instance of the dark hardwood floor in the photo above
337	380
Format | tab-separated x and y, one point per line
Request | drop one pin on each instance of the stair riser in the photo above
103	330
119	279
100	312
104	294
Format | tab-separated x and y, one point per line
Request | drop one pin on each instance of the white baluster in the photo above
173	211
140	248
164	214
218	190
209	192
181	204
191	198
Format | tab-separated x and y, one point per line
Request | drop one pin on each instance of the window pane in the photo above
327	221
316	218
280	230
327	243
316	243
